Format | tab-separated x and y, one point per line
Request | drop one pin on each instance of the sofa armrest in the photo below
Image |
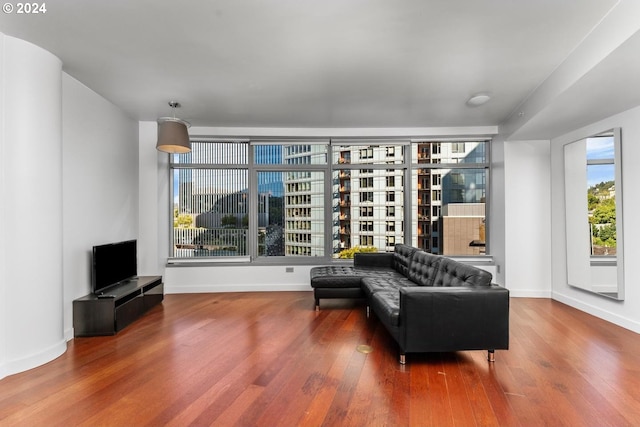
454	318
373	259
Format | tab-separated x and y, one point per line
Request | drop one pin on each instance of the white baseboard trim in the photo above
523	293
197	289
34	360
607	315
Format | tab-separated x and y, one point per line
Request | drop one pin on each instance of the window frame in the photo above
404	168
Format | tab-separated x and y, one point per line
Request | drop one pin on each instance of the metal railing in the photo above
206	242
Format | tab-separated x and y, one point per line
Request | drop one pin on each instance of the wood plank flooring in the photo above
268	359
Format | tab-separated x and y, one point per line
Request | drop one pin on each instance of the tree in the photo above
182	220
229	221
605	212
349	253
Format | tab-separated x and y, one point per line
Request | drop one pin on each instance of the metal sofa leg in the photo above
368	311
317	304
491	356
403	359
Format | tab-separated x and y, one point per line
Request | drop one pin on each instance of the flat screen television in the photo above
113	263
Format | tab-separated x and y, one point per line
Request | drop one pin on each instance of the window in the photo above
366	225
366	210
290	213
366	240
458	196
253	199
457	147
366	196
391	196
210	203
366	153
366	182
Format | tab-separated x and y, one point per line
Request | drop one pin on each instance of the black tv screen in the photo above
112	264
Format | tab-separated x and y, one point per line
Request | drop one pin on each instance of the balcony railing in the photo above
199	242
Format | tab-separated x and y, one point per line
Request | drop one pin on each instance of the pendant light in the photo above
172	133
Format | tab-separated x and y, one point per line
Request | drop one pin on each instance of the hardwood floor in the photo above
268	359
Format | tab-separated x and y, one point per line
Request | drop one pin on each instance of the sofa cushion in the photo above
402	255
454	273
384	282
334	276
423	268
386	305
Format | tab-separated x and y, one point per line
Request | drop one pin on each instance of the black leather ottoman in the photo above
335	282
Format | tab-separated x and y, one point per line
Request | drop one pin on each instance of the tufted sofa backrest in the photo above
453	273
423	268
402	256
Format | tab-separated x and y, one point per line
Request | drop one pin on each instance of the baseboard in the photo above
197	289
34	360
607	315
520	293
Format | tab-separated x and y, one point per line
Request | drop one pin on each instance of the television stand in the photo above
122	305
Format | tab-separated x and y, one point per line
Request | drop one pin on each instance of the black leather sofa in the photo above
428	303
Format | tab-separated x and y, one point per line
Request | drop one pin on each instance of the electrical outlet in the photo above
289	270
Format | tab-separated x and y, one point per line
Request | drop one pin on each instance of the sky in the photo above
600	148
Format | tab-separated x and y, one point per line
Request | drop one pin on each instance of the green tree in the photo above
608	234
592	201
182	220
605	212
229	221
349	253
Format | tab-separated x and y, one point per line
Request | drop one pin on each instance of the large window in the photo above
265	200
210	190
450	179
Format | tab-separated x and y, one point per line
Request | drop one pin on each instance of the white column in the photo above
31	292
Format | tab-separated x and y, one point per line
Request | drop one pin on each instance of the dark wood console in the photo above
94	315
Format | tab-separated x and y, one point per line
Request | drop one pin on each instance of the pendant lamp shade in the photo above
173	136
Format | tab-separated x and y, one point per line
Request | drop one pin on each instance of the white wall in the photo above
624	313
100	181
31	306
527	223
496	210
155	212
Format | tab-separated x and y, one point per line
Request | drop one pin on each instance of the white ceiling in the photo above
303	63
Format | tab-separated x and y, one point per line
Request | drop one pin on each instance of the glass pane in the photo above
298	154
601	195
450	207
210	212
368	209
291	213
368	154
448	152
214	153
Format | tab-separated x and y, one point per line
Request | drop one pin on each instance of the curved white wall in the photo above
31	294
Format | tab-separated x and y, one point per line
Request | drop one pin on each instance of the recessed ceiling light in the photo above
478	99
